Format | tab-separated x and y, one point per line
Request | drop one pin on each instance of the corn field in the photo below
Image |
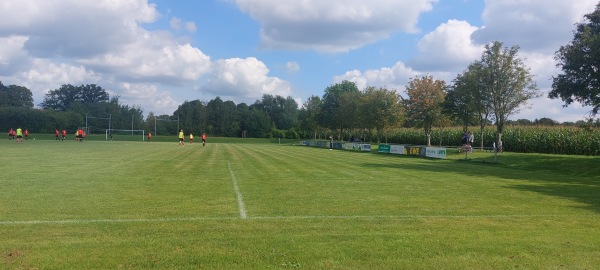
523	139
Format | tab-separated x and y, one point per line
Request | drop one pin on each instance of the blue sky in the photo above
159	53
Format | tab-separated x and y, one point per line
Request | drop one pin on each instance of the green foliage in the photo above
38	121
425	103
507	80
15	96
579	61
68	96
283	111
466	101
333	114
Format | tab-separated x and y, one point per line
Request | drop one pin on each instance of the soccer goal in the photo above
125	134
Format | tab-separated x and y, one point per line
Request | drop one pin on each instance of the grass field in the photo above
247	204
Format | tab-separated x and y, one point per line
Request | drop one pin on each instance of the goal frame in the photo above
110	131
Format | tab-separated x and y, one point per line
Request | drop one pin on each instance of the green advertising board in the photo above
384	148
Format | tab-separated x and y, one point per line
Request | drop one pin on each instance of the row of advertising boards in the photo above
412	150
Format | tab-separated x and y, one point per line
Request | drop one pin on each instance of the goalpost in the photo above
127	133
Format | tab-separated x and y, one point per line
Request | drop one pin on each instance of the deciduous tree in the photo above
425	102
15	96
580	64
507	81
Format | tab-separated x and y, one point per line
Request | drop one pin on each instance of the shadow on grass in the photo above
573	177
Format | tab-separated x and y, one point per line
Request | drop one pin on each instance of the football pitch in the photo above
237	205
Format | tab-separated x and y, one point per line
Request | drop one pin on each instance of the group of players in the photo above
18	134
182	138
80	136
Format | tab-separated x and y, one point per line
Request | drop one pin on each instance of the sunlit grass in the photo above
128	204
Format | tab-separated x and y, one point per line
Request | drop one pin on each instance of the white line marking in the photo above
240	199
192	219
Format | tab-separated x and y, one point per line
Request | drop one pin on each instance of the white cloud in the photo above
156	57
333	25
72	28
391	77
448	48
553	109
177	24
159	102
45	75
44	44
12	56
247	78
292	67
535	25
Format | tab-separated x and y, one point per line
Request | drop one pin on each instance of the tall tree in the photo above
425	102
332	111
192	116
231	120
15	96
91	93
580	63
216	120
381	108
283	111
349	115
508	82
65	97
468	100
259	124
309	115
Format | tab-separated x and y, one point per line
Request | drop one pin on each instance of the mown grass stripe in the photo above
236	188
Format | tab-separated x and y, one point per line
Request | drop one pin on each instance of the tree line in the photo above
487	92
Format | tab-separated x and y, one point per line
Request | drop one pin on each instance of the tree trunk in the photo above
429	139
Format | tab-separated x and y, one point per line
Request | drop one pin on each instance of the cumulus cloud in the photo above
45	75
333	25
535	25
391	77
44	44
153	57
73	28
244	77
448	48
12	56
159	102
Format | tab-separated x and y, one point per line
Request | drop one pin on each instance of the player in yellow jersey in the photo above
19	135
181	138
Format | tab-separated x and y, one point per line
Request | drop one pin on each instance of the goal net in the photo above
125	134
